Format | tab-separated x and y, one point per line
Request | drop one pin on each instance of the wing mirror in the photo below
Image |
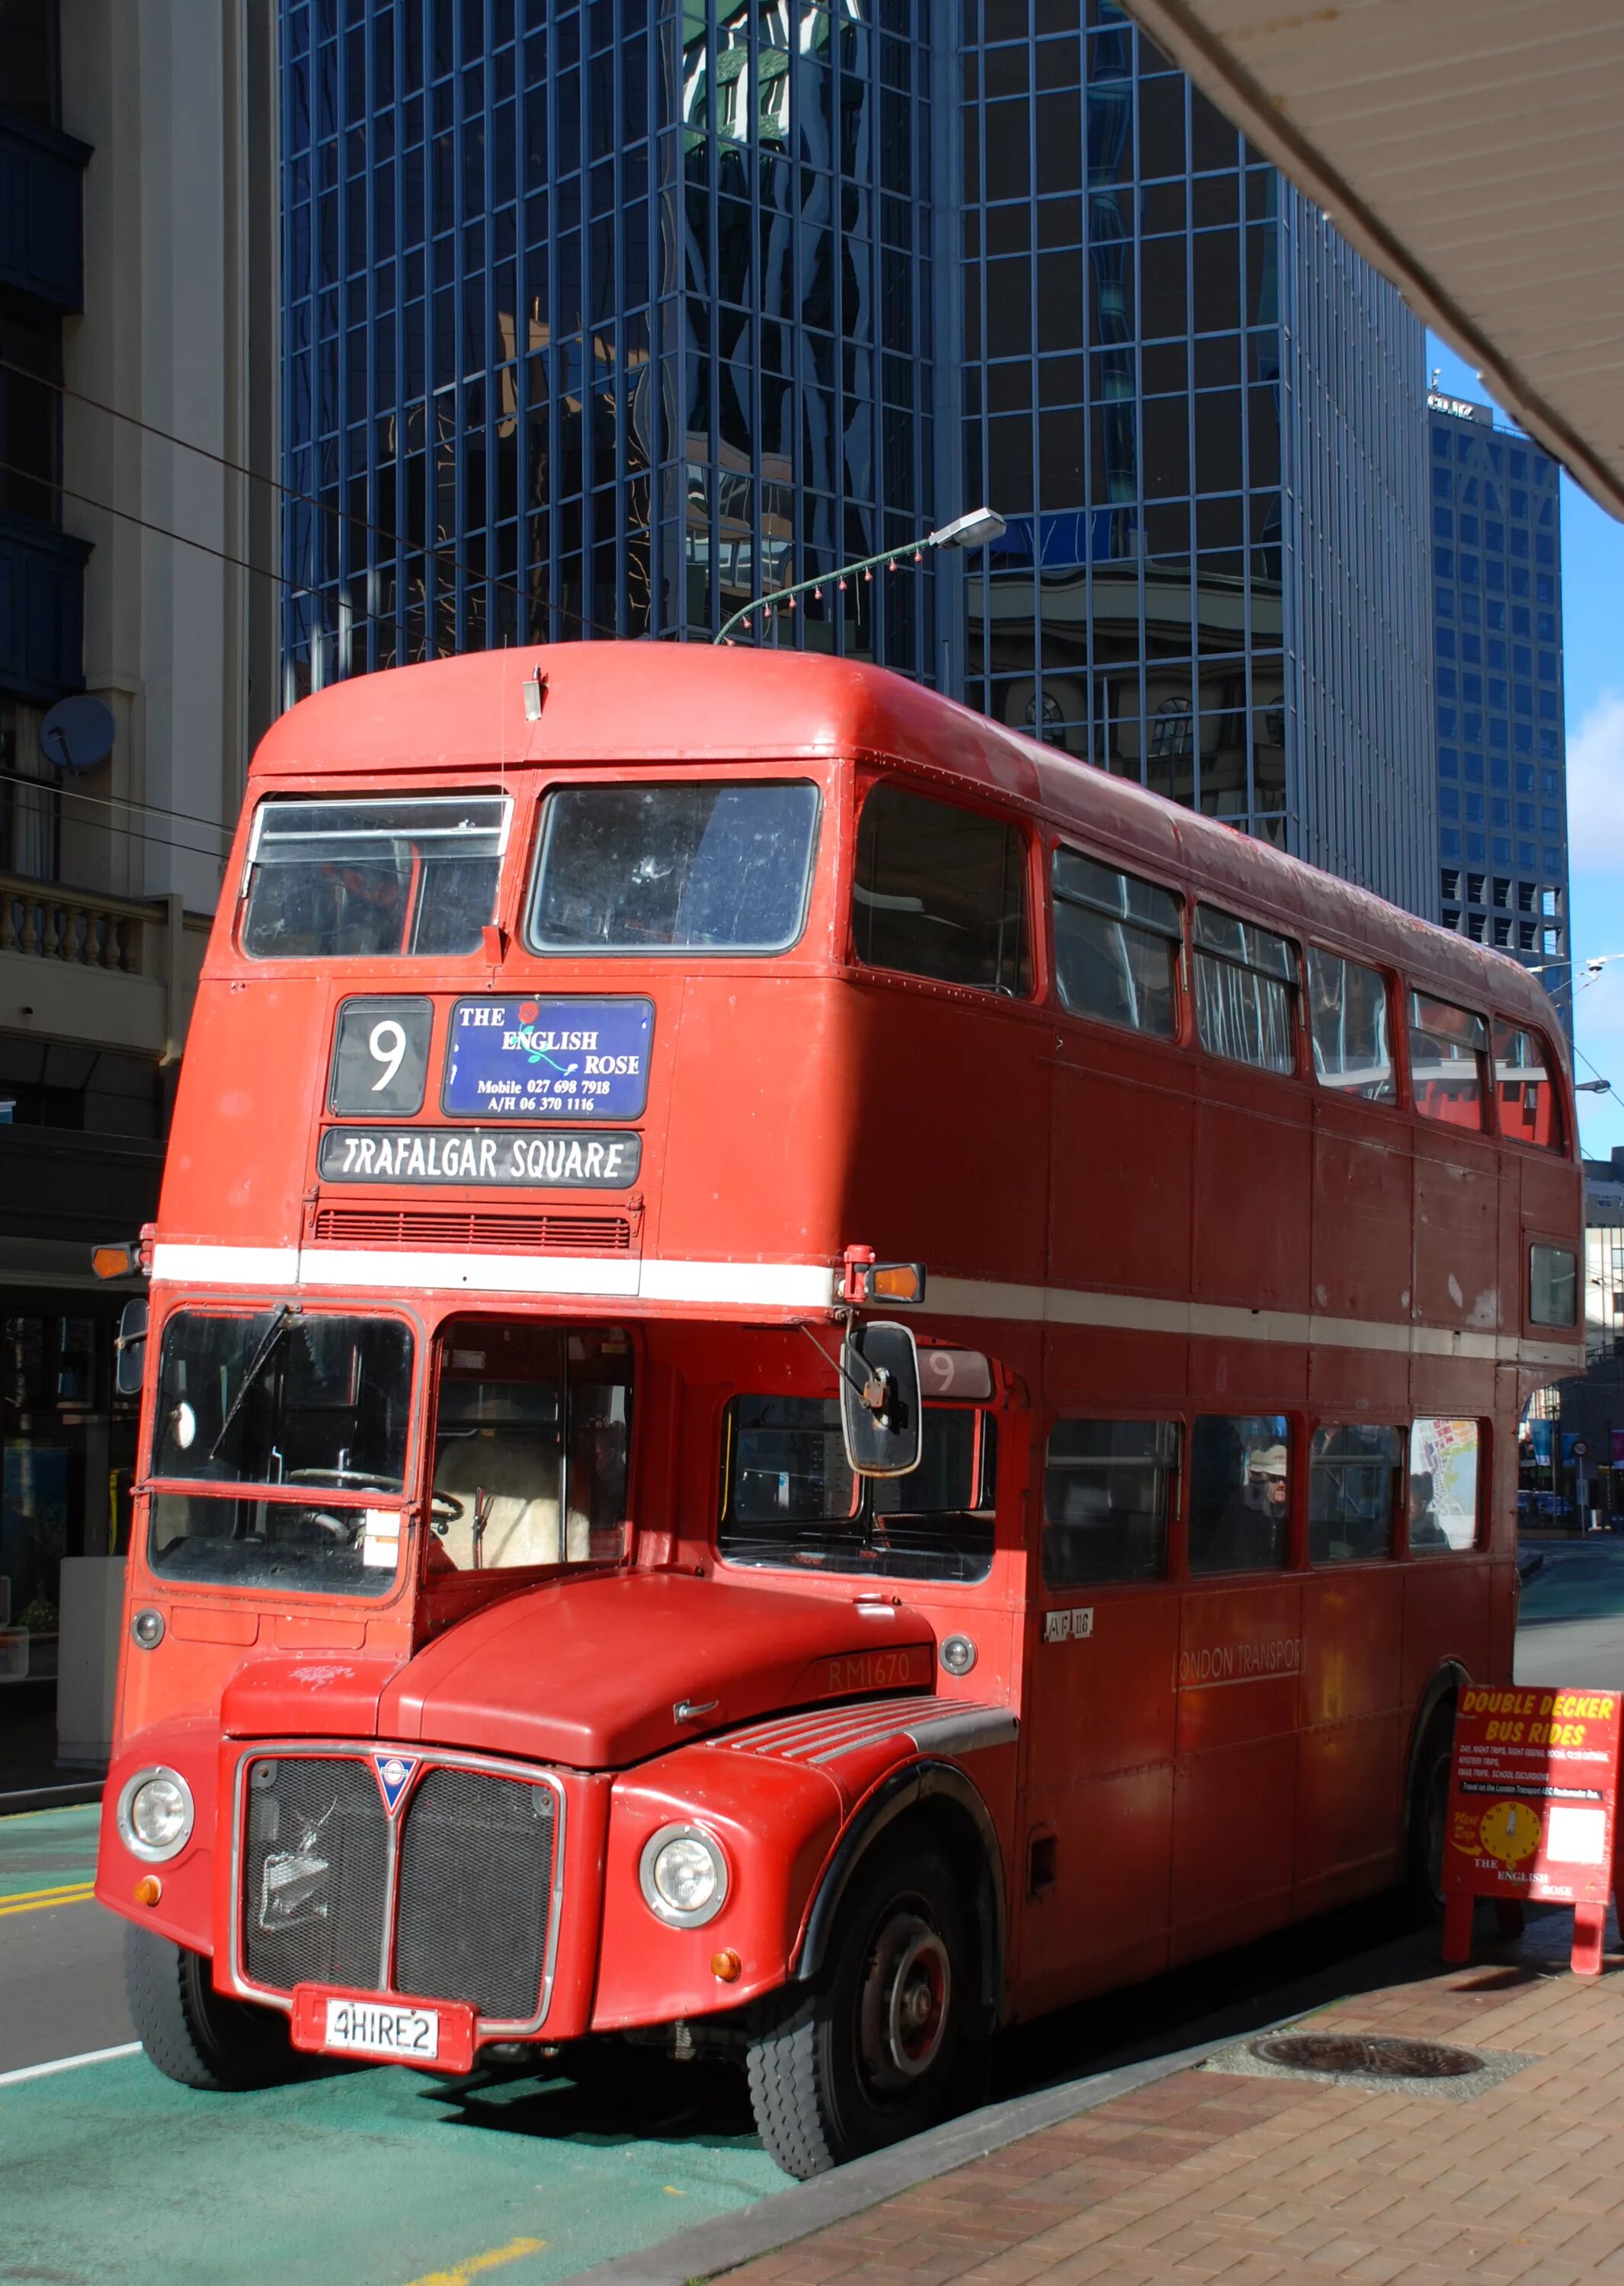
129	1348
879	1399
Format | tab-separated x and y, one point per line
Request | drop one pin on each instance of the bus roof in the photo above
619	703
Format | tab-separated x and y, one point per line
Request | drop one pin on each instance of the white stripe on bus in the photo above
813	1286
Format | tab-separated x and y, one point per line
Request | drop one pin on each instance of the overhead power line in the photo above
440	556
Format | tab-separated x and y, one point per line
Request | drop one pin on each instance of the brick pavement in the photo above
1211	2176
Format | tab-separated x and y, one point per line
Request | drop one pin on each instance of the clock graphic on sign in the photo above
1510	1832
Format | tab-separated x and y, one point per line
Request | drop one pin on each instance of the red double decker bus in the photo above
814	1380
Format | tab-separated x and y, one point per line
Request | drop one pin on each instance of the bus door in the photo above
1099	1713
1237	1680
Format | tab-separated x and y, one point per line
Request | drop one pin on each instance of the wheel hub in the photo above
904	2002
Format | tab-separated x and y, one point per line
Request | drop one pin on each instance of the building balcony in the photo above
41	212
42	609
100	971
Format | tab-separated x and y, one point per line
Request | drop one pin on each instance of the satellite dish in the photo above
78	733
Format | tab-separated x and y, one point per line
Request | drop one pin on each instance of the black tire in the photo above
192	2032
870	2054
1426	1818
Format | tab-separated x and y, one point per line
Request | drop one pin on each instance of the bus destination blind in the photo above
548	1060
502	1160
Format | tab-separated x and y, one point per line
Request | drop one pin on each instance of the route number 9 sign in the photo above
381	1057
1530	1813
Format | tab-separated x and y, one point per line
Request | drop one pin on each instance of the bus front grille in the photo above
476	1878
468	1859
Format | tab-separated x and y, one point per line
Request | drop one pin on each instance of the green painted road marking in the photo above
374	2177
47	1849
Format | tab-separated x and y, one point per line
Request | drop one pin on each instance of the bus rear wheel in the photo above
869	2056
193	2033
1429	1804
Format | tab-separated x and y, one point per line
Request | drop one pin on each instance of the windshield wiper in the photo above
269	1343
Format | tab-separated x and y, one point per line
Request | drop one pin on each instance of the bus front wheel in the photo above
868	2056
193	2033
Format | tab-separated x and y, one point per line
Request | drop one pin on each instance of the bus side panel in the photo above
1445	1616
1098	1725
1120	1182
1361	1217
1355	1729
941	1170
1239	1677
234	1169
1457	1230
1253	1181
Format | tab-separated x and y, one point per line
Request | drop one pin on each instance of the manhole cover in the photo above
1368	2056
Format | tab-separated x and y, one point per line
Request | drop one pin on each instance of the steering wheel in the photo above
443	1511
364	1478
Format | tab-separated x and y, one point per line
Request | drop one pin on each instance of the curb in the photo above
706	2250
710	2248
79	1796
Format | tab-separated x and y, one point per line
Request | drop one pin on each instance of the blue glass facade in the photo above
602	315
1201	413
1501	751
605	316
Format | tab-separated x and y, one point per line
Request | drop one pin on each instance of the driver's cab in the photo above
532	1425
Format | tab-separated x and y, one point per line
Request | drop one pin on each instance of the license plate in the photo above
364	2028
439	2038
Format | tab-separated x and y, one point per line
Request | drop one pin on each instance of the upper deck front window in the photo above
721	866
373	876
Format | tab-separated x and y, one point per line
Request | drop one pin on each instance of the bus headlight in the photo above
684	1876
154	1814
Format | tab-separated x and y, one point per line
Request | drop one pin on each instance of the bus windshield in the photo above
383	876
792	1500
719	866
284	1397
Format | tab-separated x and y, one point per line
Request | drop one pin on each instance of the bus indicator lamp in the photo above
148	1889
147	1628
116	1261
726	1966
869	1281
957	1654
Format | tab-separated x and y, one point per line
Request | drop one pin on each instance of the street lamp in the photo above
978	529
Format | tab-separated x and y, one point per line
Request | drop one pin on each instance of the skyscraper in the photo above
1501	751
1201	413
606	317
601	318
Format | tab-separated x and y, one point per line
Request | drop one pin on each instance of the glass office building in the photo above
604	316
1502	753
601	316
1201	413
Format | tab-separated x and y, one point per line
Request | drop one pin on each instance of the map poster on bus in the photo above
1530	1813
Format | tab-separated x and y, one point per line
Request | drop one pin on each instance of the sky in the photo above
1593	673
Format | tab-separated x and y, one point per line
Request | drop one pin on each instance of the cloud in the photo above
1596	789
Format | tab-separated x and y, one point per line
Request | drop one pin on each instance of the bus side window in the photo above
1117	943
1109	1492
941	892
1353	1474
1347	1010
1443	1492
1245	991
1240	1492
1448	1050
1528	1107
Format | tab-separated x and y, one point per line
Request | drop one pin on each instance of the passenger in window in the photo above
1240	1493
1425	1530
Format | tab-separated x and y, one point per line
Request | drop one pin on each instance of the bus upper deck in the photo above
718	967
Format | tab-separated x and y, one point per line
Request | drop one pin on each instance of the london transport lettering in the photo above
1533	1788
548	1058
1243	1662
470	1154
